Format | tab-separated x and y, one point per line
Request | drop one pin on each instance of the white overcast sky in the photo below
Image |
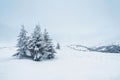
65	20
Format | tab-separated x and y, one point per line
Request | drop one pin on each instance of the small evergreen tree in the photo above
48	50
58	46
22	43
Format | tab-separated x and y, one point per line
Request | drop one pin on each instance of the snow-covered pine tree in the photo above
48	50
36	44
58	46
22	43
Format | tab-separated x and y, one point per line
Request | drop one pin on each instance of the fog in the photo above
85	21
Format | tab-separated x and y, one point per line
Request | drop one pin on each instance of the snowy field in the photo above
69	64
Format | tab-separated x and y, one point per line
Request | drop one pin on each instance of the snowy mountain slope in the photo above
106	48
69	64
79	47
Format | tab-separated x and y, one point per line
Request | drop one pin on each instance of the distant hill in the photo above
107	48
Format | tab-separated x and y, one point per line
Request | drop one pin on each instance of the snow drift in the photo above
69	64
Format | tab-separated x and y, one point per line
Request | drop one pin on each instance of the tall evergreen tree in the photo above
48	50
36	44
22	43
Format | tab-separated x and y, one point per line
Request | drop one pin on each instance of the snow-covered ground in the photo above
69	64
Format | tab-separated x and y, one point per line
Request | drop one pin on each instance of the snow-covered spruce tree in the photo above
58	46
22	43
36	44
48	49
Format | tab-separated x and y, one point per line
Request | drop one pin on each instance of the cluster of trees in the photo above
38	46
